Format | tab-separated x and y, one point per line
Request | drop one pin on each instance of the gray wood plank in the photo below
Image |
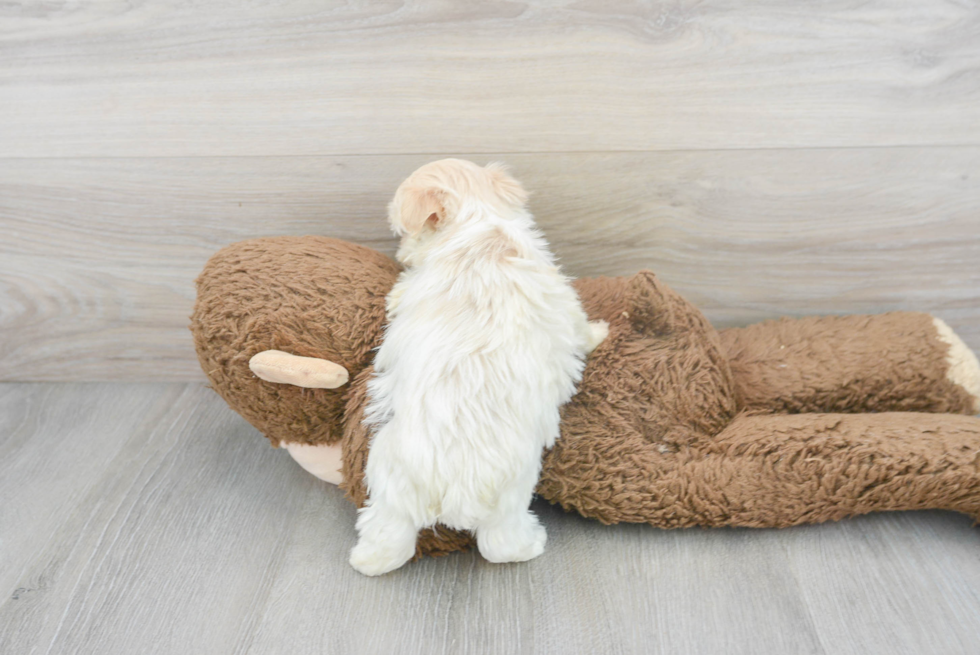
55	443
627	589
172	545
597	589
181	78
99	255
902	583
194	536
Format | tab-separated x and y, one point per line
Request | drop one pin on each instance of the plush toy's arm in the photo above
901	361
777	471
308	372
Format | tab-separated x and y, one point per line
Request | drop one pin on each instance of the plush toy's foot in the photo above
964	369
515	540
322	461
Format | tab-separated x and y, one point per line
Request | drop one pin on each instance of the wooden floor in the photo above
149	518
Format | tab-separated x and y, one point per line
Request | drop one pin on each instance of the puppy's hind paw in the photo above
377	559
512	543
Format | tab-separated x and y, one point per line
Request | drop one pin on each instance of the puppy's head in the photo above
442	193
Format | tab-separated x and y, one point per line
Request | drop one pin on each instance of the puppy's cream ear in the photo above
507	188
418	207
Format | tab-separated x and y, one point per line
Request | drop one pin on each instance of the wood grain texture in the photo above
180	78
174	512
854	609
42	480
180	530
99	255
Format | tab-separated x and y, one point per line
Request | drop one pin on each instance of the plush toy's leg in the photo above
901	361
778	470
324	460
818	467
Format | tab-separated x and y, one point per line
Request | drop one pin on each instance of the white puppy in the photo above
485	341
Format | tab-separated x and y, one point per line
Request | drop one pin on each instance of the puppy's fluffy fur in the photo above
485	341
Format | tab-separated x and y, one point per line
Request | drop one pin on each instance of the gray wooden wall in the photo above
768	158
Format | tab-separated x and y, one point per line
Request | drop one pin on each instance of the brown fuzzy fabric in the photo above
309	296
885	363
775	471
673	425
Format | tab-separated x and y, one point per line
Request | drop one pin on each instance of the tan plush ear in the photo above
418	207
506	187
309	372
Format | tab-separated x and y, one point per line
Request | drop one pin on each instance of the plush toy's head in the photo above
309	296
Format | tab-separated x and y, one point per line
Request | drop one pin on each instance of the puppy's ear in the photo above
507	188
418	207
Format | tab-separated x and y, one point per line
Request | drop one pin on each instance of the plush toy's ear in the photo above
506	187
417	207
310	372
653	307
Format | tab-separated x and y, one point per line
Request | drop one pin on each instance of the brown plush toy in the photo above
674	424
